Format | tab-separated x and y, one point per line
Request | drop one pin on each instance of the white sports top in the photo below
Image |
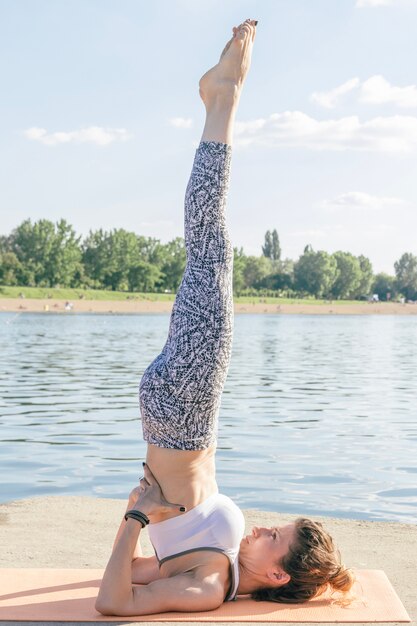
216	524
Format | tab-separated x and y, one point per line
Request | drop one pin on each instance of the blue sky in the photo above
100	118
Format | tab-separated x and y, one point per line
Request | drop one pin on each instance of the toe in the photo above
245	31
249	29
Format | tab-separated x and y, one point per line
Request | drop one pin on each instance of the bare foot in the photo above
225	80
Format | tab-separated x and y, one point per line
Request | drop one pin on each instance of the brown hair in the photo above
313	562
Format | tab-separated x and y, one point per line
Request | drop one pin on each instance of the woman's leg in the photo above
180	391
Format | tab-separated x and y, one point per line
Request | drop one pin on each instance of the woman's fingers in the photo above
149	477
177	507
150	481
143	483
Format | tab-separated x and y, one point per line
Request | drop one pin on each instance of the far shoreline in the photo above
137	307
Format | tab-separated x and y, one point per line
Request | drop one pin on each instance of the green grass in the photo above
88	294
267	300
101	294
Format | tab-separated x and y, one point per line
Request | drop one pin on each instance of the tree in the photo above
267	247
238	270
32	245
281	276
255	270
172	257
271	248
96	255
348	275
277	281
315	272
143	276
276	248
406	273
65	257
108	256
151	250
4	243
49	253
367	277
10	269
383	285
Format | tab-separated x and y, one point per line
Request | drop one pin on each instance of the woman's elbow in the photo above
105	607
114	606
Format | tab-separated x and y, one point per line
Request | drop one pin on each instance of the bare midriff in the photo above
186	477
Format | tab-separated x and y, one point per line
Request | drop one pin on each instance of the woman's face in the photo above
264	548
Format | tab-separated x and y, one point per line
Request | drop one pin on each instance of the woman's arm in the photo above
116	586
179	593
145	569
116	589
133	497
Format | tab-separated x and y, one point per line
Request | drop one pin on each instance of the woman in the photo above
201	555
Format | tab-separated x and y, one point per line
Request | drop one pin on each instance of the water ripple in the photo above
318	413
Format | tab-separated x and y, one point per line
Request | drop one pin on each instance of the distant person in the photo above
202	557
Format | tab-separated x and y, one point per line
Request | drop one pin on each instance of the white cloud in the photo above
93	134
358	200
181	122
374	90
295	129
329	99
377	90
360	4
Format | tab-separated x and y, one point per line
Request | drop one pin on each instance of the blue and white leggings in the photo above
180	391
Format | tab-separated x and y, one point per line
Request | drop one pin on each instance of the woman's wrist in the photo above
134	505
139	516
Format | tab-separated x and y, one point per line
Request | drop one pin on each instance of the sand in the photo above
78	532
27	305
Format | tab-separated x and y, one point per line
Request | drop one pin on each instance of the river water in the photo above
318	416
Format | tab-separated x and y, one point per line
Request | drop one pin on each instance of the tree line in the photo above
47	254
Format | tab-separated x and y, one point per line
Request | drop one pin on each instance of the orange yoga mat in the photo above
69	595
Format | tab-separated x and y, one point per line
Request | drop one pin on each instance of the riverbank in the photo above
78	532
54	305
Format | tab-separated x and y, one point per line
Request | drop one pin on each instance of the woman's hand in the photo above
133	496
148	497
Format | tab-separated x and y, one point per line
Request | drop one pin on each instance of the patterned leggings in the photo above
181	389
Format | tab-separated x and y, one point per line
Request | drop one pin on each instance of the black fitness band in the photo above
138	516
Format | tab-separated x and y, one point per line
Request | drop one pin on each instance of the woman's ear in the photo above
278	577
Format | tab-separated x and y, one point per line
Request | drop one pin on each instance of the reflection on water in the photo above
319	413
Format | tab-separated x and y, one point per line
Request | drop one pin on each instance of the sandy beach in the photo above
27	305
78	532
